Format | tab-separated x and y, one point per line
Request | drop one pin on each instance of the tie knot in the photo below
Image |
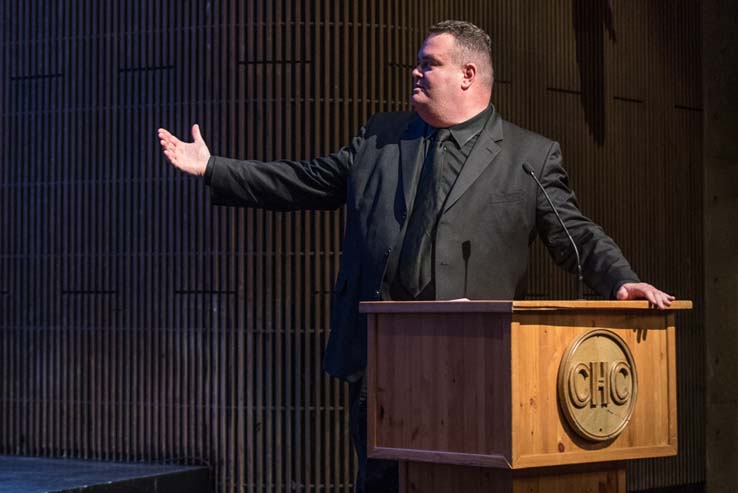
442	135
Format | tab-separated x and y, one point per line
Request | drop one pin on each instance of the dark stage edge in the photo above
42	475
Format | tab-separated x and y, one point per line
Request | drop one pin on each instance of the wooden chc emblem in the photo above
597	385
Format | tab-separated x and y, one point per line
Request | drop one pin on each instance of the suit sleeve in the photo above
283	185
604	266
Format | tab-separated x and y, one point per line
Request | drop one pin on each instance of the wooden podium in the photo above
520	396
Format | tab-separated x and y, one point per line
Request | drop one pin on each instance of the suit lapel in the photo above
484	152
410	156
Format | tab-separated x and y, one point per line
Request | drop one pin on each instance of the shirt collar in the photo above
464	131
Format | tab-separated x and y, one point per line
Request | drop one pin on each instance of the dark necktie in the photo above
416	260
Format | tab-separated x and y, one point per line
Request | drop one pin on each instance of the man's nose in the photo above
416	72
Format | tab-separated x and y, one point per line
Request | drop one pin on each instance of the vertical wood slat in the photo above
139	323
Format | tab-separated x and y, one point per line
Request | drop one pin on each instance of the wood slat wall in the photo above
138	323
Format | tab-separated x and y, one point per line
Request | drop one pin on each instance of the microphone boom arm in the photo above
580	278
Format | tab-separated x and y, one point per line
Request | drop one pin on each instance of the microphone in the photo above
580	279
466	253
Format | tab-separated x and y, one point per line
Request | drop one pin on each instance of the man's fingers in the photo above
651	297
172	157
168	140
164	134
167	144
658	298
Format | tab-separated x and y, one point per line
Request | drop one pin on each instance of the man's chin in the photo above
419	98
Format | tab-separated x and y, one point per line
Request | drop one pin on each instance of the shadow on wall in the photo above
589	16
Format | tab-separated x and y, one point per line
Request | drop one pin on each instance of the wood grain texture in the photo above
467	306
540	435
440	383
481	388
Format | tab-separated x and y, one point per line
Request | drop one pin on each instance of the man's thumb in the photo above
622	293
196	133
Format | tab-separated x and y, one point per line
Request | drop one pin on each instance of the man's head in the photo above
453	78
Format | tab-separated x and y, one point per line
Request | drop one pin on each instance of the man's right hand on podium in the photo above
644	291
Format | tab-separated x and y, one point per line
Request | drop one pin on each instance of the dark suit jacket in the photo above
494	206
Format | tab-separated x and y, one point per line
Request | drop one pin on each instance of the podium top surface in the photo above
507	306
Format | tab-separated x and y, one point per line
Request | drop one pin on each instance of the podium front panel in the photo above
486	384
440	387
542	435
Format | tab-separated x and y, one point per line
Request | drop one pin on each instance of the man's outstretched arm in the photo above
283	185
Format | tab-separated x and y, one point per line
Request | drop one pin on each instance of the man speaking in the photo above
440	204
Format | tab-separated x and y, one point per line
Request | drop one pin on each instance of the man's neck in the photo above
449	120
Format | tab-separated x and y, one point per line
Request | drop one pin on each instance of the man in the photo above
438	207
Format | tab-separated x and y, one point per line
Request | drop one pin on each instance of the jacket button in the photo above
376	293
387	252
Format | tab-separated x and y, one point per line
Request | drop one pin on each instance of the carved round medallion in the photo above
597	385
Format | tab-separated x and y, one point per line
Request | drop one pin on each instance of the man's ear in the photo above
470	73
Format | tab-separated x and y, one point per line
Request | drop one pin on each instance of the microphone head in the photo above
528	169
466	250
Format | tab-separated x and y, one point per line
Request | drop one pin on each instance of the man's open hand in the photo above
190	157
641	291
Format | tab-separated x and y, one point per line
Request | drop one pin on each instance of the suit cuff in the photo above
208	176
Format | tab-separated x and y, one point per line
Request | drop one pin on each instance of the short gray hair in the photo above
474	43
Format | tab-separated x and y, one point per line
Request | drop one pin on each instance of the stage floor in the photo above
42	475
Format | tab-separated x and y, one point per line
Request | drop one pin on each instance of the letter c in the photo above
621	387
579	394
